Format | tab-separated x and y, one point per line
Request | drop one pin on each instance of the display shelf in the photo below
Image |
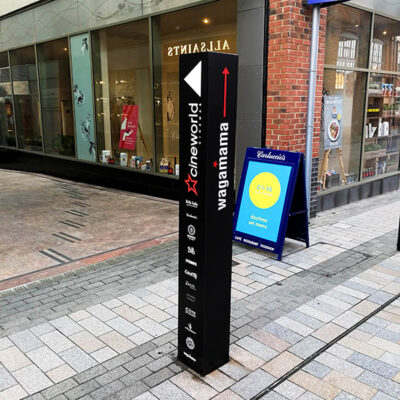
390	116
379	96
368	155
371	139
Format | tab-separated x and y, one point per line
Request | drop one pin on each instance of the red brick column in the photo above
288	73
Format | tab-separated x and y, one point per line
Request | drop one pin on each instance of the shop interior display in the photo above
382	129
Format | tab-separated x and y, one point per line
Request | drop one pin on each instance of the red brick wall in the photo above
288	73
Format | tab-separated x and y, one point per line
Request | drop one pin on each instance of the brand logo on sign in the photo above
189	328
191	274
189	356
190	343
190	285
270	156
212	45
223	182
190	312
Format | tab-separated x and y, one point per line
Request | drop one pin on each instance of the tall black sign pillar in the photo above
208	92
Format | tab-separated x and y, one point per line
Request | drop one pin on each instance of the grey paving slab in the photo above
45	358
26	340
95	326
5	343
168	391
382	396
345	396
309	396
78	359
6	380
273	396
317	369
380	297
32	379
257	348
66	326
385	385
306	347
391	359
290	390
305	319
252	384
284	333
56	341
123	326
234	370
42	329
373	365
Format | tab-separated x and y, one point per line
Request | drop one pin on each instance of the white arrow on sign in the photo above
193	79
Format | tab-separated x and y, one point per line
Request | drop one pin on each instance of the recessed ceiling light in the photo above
384	32
206	21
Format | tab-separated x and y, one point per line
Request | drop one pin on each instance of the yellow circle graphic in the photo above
264	190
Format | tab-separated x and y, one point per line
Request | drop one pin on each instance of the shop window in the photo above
386	44
56	97
26	98
342	128
7	131
382	129
123	96
347	37
211	27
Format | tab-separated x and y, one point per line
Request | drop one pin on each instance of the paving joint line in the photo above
285	377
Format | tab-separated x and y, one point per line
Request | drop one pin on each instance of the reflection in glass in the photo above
377	53
211	27
26	98
7	132
347	38
349	119
386	44
382	130
56	97
121	61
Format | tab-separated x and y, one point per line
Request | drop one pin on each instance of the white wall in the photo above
7	6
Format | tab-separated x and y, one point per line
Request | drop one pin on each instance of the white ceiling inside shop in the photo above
390	7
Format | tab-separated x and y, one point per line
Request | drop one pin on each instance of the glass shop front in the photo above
111	95
360	135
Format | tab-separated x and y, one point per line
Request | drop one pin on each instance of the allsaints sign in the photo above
208	93
199	47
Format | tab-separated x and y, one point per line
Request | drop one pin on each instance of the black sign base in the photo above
208	86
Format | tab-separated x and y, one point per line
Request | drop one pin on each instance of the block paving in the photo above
323	323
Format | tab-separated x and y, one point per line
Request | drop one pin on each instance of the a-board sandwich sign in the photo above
271	202
323	3
208	93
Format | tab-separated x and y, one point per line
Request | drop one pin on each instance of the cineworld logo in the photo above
194	80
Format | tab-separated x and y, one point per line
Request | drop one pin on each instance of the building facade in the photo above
89	90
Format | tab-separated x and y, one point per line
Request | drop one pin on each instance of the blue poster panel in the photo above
271	180
324	2
83	97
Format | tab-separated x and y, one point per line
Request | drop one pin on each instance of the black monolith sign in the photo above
208	92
